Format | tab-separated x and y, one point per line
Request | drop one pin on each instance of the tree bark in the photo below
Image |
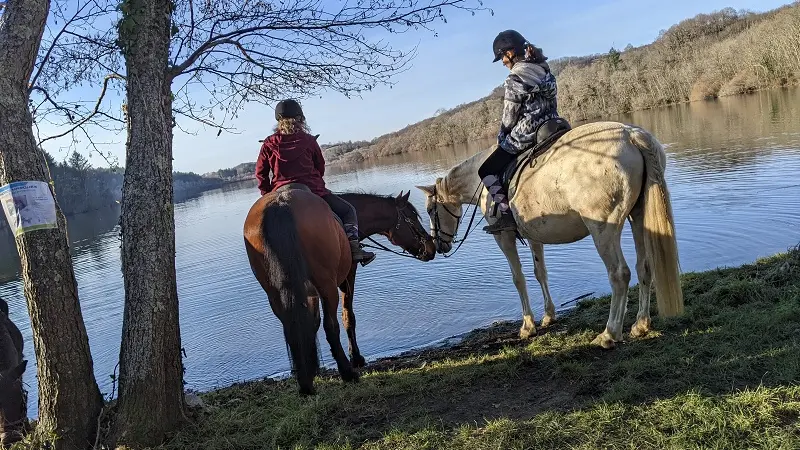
69	399
151	371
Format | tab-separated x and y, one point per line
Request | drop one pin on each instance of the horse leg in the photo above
642	325
313	306
508	245
540	270
330	321
349	318
606	238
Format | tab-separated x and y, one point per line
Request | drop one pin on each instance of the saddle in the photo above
546	135
303	187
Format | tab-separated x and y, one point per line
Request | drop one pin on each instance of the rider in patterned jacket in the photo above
529	101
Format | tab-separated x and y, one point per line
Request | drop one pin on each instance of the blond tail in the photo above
659	226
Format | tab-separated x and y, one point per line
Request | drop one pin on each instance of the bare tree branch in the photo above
52	46
229	53
86	119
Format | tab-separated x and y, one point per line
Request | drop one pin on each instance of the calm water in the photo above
733	170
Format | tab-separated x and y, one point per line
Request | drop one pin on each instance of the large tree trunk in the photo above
151	371
69	400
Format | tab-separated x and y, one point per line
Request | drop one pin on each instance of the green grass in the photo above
724	375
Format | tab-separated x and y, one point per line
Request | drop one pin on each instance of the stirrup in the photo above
505	223
367	261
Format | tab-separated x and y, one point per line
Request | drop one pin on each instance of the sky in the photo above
449	70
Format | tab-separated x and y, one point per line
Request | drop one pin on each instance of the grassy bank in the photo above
723	376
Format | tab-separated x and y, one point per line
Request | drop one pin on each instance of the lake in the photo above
733	171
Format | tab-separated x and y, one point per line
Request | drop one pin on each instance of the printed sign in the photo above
29	205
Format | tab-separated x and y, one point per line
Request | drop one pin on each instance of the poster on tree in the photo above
29	206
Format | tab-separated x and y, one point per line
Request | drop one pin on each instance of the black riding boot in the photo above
506	221
359	254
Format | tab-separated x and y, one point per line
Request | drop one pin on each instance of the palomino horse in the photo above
13	410
299	254
592	179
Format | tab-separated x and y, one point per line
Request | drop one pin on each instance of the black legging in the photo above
490	172
496	163
346	212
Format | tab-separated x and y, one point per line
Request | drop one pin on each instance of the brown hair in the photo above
534	54
291	125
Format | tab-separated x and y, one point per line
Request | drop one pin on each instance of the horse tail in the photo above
661	245
288	272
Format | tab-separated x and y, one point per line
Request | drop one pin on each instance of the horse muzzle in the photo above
443	247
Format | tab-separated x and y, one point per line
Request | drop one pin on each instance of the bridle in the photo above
420	236
437	228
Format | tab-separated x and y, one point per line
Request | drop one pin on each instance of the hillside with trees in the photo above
722	53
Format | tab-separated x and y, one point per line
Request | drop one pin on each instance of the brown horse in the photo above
13	410
299	254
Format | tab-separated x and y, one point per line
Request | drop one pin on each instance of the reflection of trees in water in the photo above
85	232
728	133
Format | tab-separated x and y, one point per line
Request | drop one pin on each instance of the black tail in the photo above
288	272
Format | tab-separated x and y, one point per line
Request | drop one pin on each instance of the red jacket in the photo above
292	158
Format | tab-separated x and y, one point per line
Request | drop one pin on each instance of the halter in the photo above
401	217
437	229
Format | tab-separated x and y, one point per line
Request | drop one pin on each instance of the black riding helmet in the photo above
508	40
288	108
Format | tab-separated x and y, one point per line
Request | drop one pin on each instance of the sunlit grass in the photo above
725	375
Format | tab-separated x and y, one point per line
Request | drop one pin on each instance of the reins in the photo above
400	218
379	246
438	228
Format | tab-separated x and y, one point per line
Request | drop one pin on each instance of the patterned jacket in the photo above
530	100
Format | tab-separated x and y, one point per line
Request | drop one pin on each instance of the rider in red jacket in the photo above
293	156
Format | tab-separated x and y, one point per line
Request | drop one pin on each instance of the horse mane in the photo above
373	196
462	179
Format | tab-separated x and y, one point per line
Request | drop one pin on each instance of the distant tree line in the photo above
241	172
247	170
723	53
81	188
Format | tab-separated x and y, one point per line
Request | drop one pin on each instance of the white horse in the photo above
591	180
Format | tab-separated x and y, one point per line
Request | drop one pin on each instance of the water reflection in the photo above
732	167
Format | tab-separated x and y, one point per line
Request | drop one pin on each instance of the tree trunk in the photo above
69	399
151	371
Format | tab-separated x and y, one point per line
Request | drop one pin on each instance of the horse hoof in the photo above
349	376
548	320
358	361
527	333
306	392
640	329
605	341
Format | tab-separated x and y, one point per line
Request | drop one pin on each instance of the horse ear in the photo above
405	197
428	190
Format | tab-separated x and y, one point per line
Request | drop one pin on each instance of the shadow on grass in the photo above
726	373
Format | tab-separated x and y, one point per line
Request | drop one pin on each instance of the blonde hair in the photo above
291	125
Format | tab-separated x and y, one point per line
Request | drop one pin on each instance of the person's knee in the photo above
351	212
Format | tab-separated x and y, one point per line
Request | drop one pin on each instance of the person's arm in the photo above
512	106
262	169
316	156
515	95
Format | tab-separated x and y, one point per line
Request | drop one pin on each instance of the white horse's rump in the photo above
592	179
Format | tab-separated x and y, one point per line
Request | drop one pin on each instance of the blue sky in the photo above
451	69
